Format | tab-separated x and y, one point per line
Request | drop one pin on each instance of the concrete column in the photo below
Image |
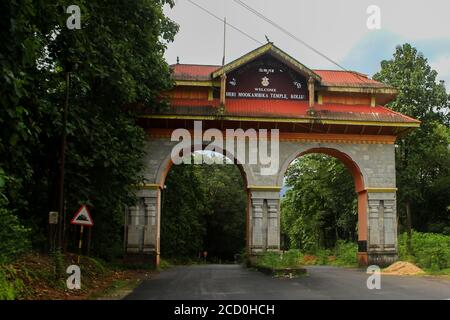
273	224
264	220
150	231
256	223
134	230
142	237
382	228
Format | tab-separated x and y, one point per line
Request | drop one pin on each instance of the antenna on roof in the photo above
224	39
178	60
267	38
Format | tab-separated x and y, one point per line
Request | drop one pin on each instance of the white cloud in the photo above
442	66
334	27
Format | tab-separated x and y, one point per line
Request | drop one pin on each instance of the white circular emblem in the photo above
265	81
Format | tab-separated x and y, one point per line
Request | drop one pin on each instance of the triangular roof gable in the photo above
274	51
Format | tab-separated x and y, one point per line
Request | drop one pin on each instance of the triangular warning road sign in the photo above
83	217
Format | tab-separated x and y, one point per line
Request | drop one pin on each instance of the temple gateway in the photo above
338	113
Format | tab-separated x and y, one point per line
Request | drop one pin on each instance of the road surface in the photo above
234	282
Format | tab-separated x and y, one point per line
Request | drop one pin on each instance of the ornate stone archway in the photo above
373	169
339	113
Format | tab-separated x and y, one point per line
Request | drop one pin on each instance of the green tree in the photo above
117	68
422	156
225	220
204	208
183	208
320	206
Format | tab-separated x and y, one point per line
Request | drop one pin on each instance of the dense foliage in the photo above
15	237
430	251
115	62
320	206
204	209
344	254
423	155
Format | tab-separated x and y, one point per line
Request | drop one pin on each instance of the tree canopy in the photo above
115	63
423	155
319	207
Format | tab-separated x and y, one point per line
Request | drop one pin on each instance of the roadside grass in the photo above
344	255
165	264
11	285
441	273
43	277
171	261
430	251
116	290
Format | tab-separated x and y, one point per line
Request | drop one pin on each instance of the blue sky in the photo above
366	55
337	28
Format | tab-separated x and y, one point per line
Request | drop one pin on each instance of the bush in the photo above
429	250
346	253
14	237
292	257
10	285
322	256
289	259
269	259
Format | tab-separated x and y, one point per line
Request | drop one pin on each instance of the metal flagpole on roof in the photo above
224	39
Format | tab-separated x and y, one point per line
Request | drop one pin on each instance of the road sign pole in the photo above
80	243
88	251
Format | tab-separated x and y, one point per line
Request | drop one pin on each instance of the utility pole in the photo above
62	165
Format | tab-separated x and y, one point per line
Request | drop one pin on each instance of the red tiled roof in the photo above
346	78
192	71
285	109
299	109
329	77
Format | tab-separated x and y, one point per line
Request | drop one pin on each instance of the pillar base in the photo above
252	258
150	260
363	259
382	259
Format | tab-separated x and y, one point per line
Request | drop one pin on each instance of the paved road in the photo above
234	282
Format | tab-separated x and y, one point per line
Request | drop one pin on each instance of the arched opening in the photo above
204	209
324	190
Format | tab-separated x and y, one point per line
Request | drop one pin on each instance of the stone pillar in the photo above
134	230
382	228
273	224
142	236
264	221
150	227
256	226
